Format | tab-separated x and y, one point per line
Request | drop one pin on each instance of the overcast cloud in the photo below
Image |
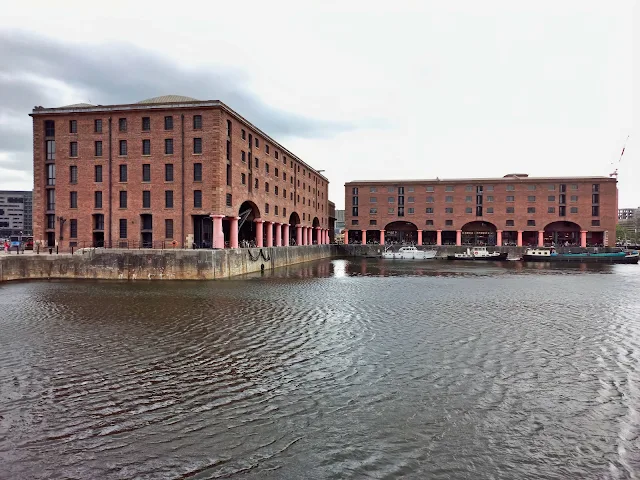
360	89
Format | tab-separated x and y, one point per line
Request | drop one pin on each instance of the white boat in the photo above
478	253
409	253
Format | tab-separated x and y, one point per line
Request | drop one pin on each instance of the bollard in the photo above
38	249
50	250
56	249
72	250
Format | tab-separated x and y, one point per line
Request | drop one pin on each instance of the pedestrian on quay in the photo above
6	246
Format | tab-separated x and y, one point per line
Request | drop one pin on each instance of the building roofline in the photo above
39	111
480	179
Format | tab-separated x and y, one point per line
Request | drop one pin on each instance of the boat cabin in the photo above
540	252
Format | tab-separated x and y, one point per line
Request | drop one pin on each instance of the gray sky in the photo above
361	89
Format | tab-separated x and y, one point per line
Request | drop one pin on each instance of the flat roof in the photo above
199	104
506	179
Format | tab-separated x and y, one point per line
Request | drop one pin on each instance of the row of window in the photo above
124	149
123	125
98	224
146	199
449	223
595	210
123	173
595	188
595	199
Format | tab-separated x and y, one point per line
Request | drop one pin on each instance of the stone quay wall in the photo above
116	264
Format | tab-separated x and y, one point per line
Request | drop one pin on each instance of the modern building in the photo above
627	213
169	171
15	213
513	210
332	222
339	221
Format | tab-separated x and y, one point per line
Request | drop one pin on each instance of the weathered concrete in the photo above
115	264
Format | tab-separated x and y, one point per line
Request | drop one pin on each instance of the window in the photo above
574	186
429	189
552	188
51	174
197	172
49	128
51	199
266	187
510	198
123	147
97	197
448	223
595	198
411	200
275	190
284	176
168	228
73	126
168	146
266	167
448	199
284	211
275	210
243	156
449	188
229	200
489	209
197	198
266	208
468	210
256	163
489	188
98	148
146	199
531	223
510	223
391	199
51	149
595	211
468	188
429	199
353	222
489	198
574	198
168	172
123	199
562	211
373	199
411	210
123	173
468	199
228	174
562	198
531	198
257	184
243	179
430	222
563	188
97	125
257	143
511	210
595	188
168	123
373	211
276	173
448	210
98	173
373	222
266	149
146	147
510	188
429	210
197	146
354	211
574	209
391	210
168	199
73	228
73	174
146	172
284	192
146	124
73	149
595	223
551	210
373	189
531	209
531	187
244	135
551	198
73	199
123	228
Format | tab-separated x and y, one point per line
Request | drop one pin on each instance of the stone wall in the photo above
114	264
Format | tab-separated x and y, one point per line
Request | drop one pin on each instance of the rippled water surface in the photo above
335	369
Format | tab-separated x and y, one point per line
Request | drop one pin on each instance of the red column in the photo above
364	237
285	234
583	238
541	238
258	223
233	232
458	237
499	238
269	227
309	235
438	237
298	234
278	234
346	237
381	237
218	233
519	238
419	237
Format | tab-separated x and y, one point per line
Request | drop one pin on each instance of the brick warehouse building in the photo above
169	171
513	210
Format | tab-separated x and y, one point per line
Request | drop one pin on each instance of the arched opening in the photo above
314	233
294	219
562	233
246	227
479	233
400	233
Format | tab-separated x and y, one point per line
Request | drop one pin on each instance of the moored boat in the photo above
409	253
549	254
478	253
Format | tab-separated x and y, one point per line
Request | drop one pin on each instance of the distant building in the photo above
16	210
332	221
628	213
513	210
339	221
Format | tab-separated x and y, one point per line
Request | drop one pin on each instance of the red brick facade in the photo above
224	137
510	210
